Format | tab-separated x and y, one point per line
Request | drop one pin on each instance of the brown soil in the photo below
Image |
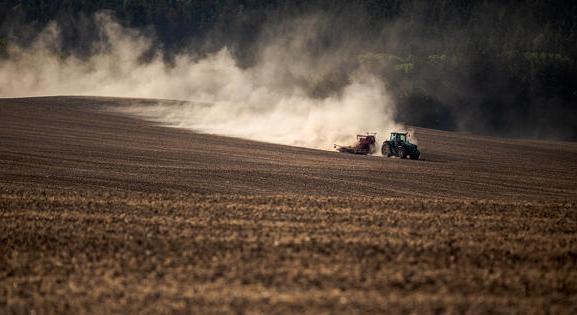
105	213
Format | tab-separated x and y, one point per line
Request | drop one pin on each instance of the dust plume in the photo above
294	93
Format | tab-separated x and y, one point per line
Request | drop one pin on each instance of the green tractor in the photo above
399	145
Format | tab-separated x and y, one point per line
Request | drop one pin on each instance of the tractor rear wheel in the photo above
385	150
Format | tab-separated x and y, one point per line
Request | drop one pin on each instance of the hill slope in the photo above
75	142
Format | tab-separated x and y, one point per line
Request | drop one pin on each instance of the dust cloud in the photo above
270	100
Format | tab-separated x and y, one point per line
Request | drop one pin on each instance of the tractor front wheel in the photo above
402	154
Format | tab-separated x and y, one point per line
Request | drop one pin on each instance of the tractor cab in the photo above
398	137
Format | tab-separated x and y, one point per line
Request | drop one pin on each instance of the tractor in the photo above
399	145
366	144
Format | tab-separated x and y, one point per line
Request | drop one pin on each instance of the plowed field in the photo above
105	213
